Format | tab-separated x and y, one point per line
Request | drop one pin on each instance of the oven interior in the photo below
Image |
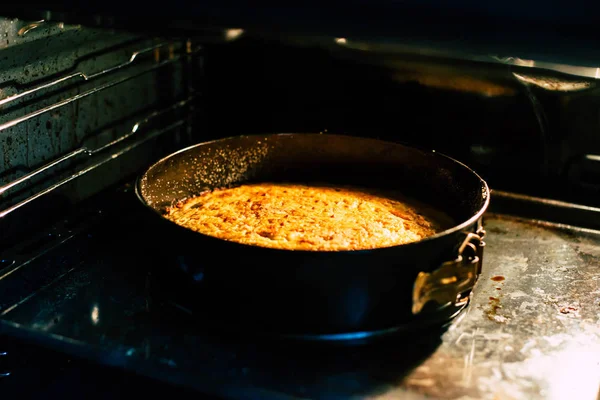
85	109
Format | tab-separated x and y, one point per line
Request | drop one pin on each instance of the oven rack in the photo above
139	128
175	53
174	57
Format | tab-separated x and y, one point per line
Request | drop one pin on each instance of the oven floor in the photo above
532	330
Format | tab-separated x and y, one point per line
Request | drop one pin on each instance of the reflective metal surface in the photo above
531	331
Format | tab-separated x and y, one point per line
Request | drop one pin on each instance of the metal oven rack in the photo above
152	82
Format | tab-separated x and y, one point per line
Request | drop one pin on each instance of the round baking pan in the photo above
320	294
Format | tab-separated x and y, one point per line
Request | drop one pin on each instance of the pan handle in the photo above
453	281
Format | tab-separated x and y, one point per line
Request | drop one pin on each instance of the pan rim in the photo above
473	219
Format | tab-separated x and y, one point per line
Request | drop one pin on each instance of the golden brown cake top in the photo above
305	217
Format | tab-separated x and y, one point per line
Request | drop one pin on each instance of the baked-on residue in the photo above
304	217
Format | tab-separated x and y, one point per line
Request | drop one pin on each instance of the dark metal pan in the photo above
330	294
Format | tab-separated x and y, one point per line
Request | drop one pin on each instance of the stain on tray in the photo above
567	310
571	309
492	311
494	305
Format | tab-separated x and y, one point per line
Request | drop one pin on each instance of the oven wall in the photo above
525	137
83	109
